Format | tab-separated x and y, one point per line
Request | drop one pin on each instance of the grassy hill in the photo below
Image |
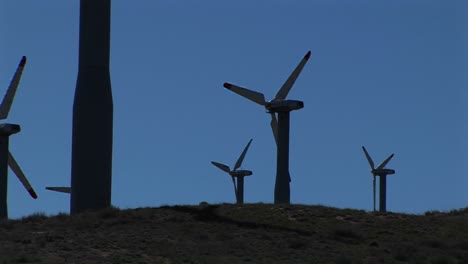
227	233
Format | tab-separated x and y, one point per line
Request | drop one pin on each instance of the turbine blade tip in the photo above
32	193
23	61
227	85
307	56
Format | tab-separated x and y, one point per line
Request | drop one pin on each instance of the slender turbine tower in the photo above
238	174
91	171
382	172
280	126
6	158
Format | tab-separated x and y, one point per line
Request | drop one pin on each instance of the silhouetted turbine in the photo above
280	126
6	158
382	172
238	174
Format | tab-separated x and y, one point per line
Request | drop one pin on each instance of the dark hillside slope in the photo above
252	233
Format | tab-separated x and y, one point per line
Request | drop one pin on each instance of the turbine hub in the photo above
284	105
241	173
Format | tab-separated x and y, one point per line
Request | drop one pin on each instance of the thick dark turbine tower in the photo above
92	111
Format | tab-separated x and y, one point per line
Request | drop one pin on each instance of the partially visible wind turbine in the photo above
235	173
6	158
279	126
382	172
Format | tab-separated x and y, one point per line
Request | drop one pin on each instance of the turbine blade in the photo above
382	165
59	189
284	90
19	173
11	91
241	157
221	166
256	97
235	187
289	175
274	127
369	159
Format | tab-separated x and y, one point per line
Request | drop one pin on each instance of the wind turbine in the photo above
6	130
280	125
382	172
238	174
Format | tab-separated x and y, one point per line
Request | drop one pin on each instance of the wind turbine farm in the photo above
131	148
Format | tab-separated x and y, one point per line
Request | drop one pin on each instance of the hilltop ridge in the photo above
229	233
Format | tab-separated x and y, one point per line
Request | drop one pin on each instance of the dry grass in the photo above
252	233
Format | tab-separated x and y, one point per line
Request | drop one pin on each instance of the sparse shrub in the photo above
34	217
459	211
432	212
62	216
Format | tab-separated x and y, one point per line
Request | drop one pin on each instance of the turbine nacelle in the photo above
9	129
381	172
283	105
240	173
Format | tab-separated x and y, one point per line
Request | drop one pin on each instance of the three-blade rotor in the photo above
282	93
5	107
239	161
371	162
375	171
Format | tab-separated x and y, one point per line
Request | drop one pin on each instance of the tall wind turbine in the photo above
91	168
382	172
6	158
280	126
238	174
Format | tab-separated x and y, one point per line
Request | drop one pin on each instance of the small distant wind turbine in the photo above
6	130
382	172
238	174
280	126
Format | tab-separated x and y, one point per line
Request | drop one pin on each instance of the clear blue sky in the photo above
390	75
